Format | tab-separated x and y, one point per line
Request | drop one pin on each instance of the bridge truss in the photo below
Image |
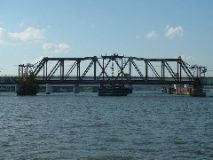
114	68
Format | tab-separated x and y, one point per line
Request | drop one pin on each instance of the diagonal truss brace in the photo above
186	70
87	69
55	68
137	69
104	69
153	69
172	73
70	70
40	66
121	69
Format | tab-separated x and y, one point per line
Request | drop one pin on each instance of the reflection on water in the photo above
87	127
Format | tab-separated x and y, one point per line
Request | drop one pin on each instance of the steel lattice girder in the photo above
100	66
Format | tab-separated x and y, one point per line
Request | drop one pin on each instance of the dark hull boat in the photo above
114	90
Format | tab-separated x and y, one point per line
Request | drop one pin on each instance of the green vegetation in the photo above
27	85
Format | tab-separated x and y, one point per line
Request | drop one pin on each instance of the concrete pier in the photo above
76	88
195	90
48	88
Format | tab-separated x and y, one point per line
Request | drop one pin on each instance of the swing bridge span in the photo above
113	69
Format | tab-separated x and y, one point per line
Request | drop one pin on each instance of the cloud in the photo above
29	34
3	36
34	36
2	33
151	35
56	48
173	32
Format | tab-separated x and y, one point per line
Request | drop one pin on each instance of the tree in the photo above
27	85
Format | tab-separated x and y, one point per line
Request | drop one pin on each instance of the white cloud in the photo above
32	35
56	48
29	34
151	35
2	33
3	36
172	32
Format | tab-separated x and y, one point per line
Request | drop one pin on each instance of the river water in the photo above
86	127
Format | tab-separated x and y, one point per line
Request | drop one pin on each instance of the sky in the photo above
32	29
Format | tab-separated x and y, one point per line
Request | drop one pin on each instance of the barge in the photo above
114	90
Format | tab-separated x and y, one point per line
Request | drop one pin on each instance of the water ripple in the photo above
87	127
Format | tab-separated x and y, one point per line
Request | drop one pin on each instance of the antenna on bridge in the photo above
25	68
199	70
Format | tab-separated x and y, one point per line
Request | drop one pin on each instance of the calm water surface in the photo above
87	127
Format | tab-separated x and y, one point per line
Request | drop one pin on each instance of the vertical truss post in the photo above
20	70
199	72
179	69
43	76
46	70
180	76
94	61
122	75
162	70
78	69
103	69
146	70
62	69
130	68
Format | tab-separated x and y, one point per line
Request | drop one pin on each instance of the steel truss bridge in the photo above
111	69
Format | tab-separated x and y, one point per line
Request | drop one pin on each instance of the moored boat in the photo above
114	90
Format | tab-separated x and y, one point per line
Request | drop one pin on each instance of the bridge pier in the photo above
49	88
197	89
76	88
114	89
16	87
11	88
